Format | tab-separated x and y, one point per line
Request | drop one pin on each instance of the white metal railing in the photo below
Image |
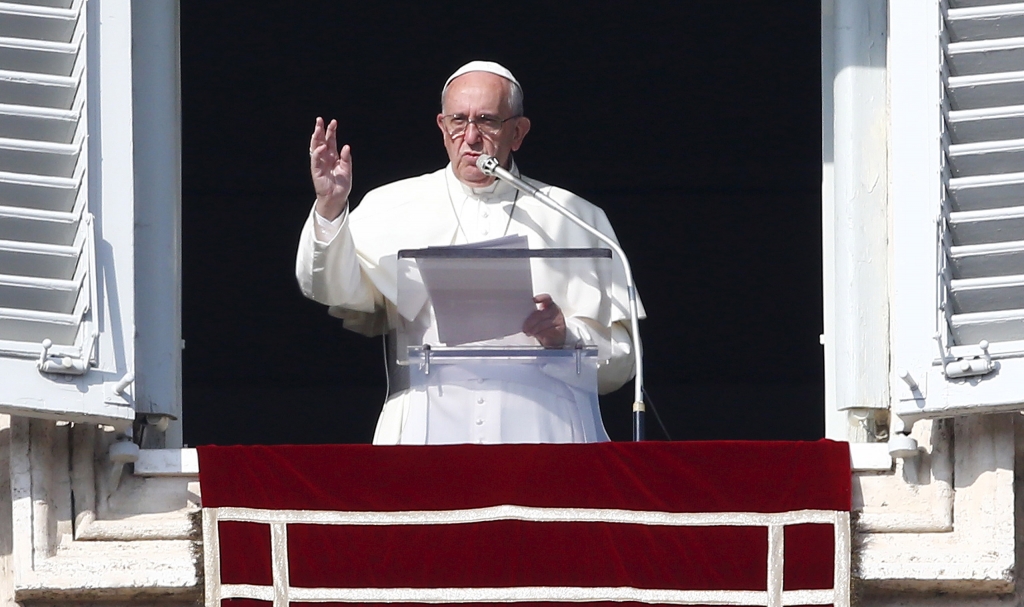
281	593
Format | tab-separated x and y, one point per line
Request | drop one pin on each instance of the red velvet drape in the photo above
667	477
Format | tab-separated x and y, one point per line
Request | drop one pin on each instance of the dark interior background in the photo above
695	125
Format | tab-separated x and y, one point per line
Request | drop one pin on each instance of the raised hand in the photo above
547	324
331	170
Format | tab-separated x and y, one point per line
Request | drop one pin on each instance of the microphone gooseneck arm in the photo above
489	165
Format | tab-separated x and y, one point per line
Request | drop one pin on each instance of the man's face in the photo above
475	95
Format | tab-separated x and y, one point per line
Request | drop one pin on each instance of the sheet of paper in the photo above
512	241
479	299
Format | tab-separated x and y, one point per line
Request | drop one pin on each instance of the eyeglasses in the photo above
456	124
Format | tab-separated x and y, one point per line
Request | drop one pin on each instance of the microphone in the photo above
490	166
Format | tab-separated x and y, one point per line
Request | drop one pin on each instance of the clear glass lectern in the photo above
460	314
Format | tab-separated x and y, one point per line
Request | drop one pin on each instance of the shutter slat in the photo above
45	46
46	164
37	259
41	181
972	58
34	327
41	157
981	158
38	248
47	10
969	3
37	214
986	294
988	226
38	123
42	284
38	56
985	90
49	3
41	294
986	191
37	22
981	260
39	192
30	316
44	90
986	22
990	326
28	229
985	124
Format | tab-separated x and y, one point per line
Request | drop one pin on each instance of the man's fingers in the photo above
546	311
547	323
324	135
316	157
318	134
540	321
332	134
547	329
550	335
324	144
531	323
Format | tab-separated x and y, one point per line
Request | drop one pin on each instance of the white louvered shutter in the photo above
958	205
984	235
65	256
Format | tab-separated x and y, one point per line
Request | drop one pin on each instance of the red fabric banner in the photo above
559	540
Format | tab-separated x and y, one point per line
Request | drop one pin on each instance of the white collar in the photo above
499	190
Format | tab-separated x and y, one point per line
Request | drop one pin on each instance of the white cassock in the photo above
350	264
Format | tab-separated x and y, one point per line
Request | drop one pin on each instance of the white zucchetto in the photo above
482	66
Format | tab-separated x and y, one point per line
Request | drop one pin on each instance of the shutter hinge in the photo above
63	365
967	367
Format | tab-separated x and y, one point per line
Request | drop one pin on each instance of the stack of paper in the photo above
477	299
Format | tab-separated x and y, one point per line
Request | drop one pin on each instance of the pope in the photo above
347	260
